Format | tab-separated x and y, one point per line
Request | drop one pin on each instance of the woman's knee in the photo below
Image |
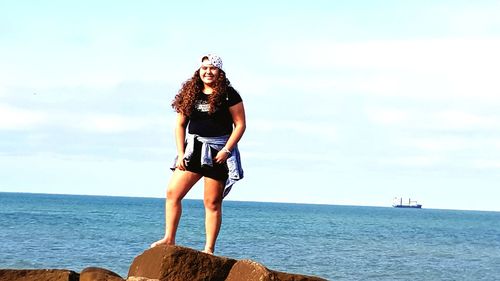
173	195
213	194
213	204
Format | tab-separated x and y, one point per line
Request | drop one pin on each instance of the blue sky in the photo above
348	102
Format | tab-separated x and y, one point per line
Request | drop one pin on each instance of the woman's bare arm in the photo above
180	136
238	114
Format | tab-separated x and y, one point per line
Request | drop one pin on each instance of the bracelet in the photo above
226	150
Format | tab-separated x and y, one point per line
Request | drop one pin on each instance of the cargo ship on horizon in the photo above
398	203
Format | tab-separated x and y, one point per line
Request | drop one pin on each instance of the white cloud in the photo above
439	120
3	91
100	66
455	119
244	82
285	156
421	161
429	68
436	144
496	144
14	118
417	55
486	164
387	116
112	123
311	128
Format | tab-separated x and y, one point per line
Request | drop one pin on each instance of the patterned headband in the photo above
214	60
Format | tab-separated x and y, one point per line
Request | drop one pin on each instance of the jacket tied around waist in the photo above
235	170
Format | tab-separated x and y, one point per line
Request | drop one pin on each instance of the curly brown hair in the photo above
185	98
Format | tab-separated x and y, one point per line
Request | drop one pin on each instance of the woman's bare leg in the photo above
180	183
213	212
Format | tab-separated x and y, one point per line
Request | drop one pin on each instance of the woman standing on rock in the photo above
210	122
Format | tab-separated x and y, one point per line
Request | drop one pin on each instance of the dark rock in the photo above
99	274
38	275
165	263
283	276
247	270
179	263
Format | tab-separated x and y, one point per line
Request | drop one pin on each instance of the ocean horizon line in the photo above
242	201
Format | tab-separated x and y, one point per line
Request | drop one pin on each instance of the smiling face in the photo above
208	72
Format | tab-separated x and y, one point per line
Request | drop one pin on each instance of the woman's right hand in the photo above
180	164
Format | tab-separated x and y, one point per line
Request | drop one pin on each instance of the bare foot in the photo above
208	251
163	241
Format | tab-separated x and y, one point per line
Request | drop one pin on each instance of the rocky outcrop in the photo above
165	263
179	263
38	275
250	271
283	276
99	274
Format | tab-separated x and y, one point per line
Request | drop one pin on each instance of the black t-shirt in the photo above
218	123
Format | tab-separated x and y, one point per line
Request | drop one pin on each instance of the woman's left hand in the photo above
221	157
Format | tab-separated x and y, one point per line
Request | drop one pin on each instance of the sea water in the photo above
333	242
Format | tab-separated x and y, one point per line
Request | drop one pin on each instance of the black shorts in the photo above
217	171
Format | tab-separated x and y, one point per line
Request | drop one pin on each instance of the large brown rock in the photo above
283	276
38	275
247	270
167	263
99	274
134	278
176	263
